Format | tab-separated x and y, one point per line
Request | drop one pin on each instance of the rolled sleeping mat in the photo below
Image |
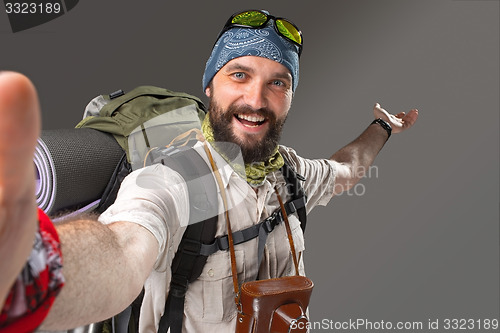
73	167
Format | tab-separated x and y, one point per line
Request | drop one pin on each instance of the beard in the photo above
253	149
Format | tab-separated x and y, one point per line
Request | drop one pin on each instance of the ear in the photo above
208	92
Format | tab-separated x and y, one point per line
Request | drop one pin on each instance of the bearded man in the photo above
250	79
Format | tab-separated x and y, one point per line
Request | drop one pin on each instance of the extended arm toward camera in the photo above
104	266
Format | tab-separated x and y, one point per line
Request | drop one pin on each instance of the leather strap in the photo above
289	232
228	224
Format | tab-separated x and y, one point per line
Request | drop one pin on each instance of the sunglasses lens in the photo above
250	18
289	30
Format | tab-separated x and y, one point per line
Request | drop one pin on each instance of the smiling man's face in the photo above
249	101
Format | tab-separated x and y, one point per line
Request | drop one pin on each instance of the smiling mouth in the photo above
250	120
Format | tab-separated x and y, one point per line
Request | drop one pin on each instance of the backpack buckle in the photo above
223	243
267	224
271	222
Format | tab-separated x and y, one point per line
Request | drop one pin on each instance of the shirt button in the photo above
211	272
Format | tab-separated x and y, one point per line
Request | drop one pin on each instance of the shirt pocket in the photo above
211	297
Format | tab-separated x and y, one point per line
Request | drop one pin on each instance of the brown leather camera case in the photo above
274	305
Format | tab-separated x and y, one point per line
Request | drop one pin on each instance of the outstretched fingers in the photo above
410	119
400	121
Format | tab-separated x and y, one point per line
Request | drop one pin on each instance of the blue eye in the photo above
239	75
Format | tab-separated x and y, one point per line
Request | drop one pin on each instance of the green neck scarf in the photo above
255	173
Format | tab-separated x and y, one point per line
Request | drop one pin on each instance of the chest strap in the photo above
261	230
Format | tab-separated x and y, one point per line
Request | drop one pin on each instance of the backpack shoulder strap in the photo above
188	262
297	203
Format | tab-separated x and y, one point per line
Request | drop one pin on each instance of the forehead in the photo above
258	65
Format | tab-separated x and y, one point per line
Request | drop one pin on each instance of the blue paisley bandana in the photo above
240	42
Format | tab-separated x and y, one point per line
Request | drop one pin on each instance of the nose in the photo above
255	95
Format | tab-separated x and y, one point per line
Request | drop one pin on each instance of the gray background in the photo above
420	238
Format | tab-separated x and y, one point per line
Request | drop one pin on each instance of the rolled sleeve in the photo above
156	198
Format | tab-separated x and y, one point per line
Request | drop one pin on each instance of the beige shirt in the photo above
156	197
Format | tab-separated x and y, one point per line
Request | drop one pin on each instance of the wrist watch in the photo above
385	125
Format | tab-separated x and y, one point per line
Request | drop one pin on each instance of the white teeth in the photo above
253	119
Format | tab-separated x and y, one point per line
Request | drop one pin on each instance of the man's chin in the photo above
256	152
248	141
246	151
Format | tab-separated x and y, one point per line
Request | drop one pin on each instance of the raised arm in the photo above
104	266
355	158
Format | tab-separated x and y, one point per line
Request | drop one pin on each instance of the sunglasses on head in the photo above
258	19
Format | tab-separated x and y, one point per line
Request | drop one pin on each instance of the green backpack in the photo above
143	107
144	118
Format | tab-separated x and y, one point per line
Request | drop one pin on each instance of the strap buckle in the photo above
267	224
271	221
223	242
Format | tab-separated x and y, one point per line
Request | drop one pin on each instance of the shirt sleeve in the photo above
155	197
320	177
36	287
